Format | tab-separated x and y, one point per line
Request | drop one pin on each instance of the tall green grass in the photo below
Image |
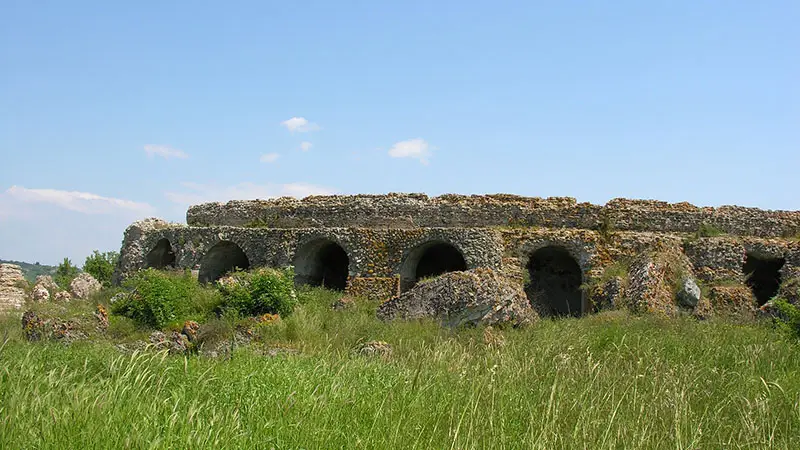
607	381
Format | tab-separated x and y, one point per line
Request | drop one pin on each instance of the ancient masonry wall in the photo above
386	243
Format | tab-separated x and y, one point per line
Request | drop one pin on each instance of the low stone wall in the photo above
477	211
371	252
380	246
12	294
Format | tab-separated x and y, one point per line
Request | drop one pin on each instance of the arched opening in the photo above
223	257
763	275
555	282
322	263
161	256
429	260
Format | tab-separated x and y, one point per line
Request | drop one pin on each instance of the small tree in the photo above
101	266
65	273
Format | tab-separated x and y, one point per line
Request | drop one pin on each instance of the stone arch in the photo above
554	285
763	275
161	256
322	262
222	258
430	259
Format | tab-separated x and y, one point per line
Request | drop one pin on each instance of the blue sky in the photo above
114	111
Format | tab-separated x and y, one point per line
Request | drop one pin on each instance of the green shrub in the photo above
617	269
606	228
787	317
259	292
65	273
159	298
708	230
101	266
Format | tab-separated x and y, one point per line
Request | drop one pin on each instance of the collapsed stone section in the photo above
429	260
478	296
12	294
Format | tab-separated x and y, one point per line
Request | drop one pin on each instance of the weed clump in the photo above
787	317
65	273
158	299
708	230
606	228
263	291
101	266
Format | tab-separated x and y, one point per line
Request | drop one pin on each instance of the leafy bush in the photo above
161	298
606	228
65	273
101	266
263	291
787	317
708	230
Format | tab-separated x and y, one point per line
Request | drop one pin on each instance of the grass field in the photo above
607	381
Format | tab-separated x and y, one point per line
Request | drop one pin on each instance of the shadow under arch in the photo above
322	262
161	256
763	275
222	258
555	282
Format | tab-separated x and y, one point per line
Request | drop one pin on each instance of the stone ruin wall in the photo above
386	238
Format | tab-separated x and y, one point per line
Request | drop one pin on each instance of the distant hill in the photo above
31	271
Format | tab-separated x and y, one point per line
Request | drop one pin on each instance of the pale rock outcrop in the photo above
478	296
62	296
40	293
12	293
44	288
689	293
84	285
652	278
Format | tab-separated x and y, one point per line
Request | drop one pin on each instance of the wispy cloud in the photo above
164	151
194	193
269	158
299	125
306	146
413	148
83	202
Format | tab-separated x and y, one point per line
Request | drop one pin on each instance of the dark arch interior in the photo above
555	282
763	276
430	260
161	256
322	263
221	259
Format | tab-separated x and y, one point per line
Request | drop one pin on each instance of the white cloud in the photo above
306	146
269	158
164	151
195	193
48	224
300	125
83	202
412	148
